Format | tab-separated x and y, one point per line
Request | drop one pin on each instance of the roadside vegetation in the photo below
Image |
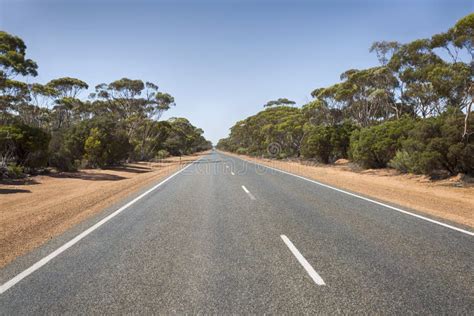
50	125
413	112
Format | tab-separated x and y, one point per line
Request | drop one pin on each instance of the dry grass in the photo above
36	209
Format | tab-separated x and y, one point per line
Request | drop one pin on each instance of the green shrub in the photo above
105	146
242	151
402	162
327	143
375	146
318	143
436	144
162	154
15	171
67	146
27	145
97	142
341	139
63	162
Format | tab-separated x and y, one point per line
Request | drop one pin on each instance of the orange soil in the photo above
34	210
449	199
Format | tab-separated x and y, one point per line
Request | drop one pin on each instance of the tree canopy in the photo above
279	102
425	85
53	125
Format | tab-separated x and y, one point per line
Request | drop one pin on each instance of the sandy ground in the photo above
450	199
36	209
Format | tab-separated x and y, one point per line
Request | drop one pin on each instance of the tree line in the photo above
412	112
49	125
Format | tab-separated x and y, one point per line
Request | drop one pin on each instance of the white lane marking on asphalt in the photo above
248	193
370	200
313	274
7	285
232	173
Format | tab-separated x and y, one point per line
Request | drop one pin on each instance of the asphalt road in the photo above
226	236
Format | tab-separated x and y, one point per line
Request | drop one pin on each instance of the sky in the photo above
221	60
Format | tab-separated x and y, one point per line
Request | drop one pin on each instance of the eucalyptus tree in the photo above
425	75
425	86
119	121
67	87
122	98
150	130
317	112
184	138
456	40
64	92
364	95
137	105
13	63
279	102
14	97
384	50
13	59
279	128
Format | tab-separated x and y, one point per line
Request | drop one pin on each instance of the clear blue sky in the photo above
222	60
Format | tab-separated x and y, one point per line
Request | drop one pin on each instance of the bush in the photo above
402	161
105	146
328	143
242	151
27	146
63	162
67	146
436	144
96	142
162	154
341	139
14	171
318	144
375	146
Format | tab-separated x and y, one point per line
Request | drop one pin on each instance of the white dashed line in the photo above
248	193
313	274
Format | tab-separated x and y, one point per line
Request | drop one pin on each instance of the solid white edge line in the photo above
7	285
248	193
312	273
367	199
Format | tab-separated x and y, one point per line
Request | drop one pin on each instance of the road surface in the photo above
228	236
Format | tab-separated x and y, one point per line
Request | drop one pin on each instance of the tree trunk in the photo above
465	133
